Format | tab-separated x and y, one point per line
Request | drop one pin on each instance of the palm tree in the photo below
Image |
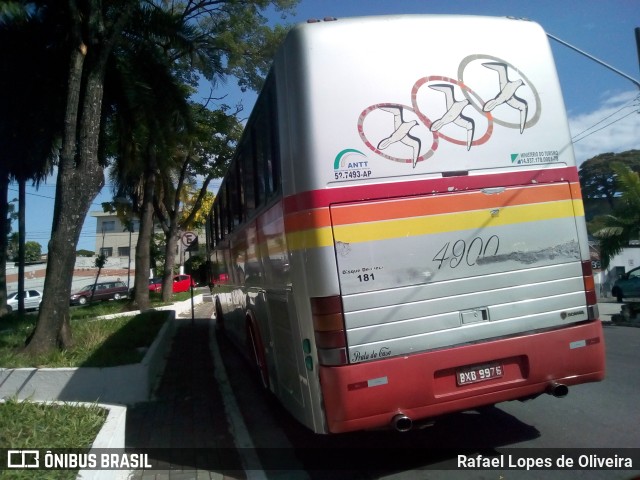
31	124
624	224
91	30
148	110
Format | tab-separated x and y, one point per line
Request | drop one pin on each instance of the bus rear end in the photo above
460	299
444	194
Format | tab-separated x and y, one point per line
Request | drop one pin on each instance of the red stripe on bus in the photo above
323	198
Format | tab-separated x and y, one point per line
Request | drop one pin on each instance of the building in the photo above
115	242
113	239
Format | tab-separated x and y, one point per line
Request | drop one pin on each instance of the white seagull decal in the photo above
454	113
401	133
507	93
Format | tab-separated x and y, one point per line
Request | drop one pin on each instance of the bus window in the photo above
247	164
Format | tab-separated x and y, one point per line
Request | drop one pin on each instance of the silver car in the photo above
32	299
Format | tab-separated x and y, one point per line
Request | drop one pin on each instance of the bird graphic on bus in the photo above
401	133
454	113
507	93
427	119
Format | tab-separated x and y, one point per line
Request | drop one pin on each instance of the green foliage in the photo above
85	253
624	224
598	178
32	251
100	261
12	246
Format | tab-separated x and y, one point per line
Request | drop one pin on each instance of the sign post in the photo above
190	241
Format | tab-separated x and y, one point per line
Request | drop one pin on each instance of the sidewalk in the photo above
608	308
187	411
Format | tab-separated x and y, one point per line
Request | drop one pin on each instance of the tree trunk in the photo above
4	212
80	178
80	175
22	193
141	284
171	241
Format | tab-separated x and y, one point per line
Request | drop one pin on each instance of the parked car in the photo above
155	284
628	285
181	283
32	300
103	291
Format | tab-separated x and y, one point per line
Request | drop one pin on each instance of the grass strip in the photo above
99	343
48	426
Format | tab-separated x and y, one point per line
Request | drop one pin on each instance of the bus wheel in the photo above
257	354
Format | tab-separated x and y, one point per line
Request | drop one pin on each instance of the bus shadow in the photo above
372	454
368	454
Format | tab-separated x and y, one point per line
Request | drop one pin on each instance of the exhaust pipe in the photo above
401	423
558	390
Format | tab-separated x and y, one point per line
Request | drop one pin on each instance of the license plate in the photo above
478	373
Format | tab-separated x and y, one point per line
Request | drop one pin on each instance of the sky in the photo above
602	106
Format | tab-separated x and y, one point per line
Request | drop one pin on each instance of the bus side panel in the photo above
292	383
425	385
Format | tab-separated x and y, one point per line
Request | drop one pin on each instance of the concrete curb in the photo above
178	307
125	384
111	436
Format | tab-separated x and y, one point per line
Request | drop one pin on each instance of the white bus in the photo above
401	233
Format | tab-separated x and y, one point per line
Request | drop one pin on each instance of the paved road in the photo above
603	415
210	399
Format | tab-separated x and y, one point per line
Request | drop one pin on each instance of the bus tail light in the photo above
328	326
590	290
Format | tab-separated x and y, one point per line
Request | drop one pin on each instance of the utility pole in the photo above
638	43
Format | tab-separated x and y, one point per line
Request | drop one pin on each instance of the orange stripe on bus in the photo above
443	204
308	219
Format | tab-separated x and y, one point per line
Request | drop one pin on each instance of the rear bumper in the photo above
424	385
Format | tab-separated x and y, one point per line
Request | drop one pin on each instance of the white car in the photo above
32	299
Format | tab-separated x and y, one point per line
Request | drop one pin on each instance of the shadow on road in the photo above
363	454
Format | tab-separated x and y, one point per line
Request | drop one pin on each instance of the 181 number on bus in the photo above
454	255
366	277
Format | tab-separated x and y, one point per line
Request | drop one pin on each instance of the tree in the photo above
94	27
624	224
99	263
4	229
597	177
32	251
209	39
206	153
143	132
31	123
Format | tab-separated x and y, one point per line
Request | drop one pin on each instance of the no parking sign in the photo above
190	240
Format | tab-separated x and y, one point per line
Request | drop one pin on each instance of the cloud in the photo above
613	127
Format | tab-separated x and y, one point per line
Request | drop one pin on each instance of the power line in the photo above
44	196
603	127
628	105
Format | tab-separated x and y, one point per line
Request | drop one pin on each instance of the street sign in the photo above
188	238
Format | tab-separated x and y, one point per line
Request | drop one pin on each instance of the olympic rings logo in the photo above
413	129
